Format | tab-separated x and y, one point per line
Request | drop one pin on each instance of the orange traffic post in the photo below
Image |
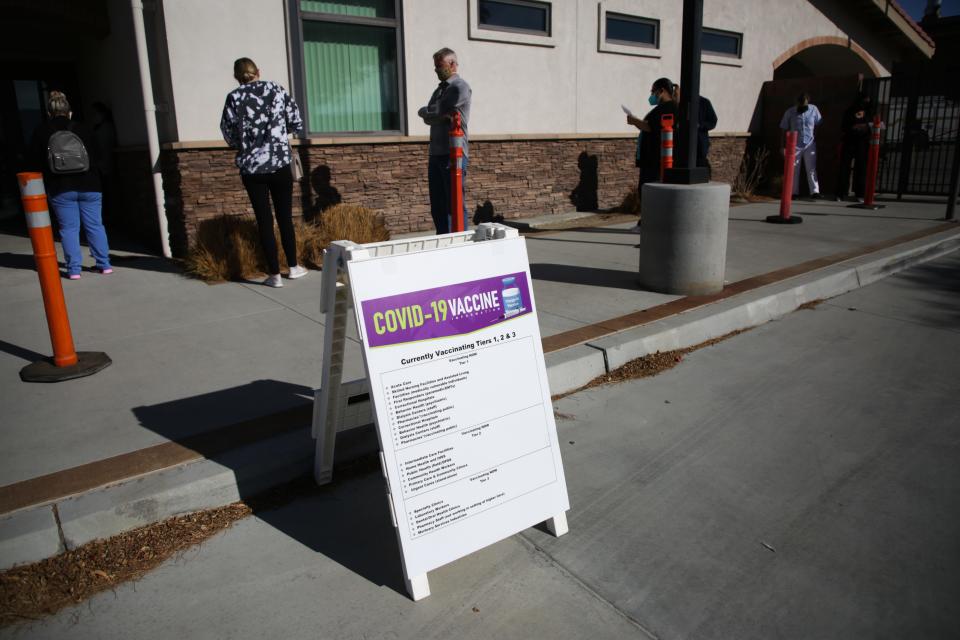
789	158
66	363
873	166
666	144
458	223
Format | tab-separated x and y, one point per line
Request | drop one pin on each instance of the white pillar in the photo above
150	112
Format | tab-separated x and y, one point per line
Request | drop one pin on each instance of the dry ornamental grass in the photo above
228	247
631	203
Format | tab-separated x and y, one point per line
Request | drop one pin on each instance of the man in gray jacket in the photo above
451	96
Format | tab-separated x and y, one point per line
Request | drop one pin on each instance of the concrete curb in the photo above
41	531
767	303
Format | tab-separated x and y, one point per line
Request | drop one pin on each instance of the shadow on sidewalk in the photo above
27	262
347	521
17	261
211	423
592	276
552	239
20	352
943	275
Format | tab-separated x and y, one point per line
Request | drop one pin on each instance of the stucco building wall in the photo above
561	84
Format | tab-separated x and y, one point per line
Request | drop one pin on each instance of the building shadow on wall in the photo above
584	195
325	195
347	521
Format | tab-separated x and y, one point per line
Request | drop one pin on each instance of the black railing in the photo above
919	142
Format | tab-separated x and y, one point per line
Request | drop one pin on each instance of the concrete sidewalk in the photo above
208	372
795	481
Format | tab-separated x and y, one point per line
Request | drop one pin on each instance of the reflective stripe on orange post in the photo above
66	362
666	143
456	174
789	158
34	200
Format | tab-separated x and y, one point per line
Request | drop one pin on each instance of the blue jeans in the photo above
73	208
438	177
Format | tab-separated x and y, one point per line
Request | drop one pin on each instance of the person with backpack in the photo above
68	156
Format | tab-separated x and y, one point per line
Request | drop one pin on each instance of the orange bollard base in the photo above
88	363
782	220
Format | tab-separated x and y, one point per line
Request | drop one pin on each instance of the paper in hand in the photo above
626	110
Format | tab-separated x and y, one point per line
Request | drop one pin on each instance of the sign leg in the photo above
418	586
557	525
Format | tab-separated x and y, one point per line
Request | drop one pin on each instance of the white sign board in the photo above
462	405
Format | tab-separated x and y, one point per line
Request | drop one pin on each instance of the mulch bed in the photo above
648	365
31	591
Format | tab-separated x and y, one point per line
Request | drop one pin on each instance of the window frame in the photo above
298	78
536	4
626	17
620	46
722	54
529	38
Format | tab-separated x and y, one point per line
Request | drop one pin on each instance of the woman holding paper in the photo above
648	147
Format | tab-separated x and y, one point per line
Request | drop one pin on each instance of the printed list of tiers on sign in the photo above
469	431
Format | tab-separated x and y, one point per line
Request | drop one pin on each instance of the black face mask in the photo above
801	108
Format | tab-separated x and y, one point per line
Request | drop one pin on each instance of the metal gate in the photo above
918	146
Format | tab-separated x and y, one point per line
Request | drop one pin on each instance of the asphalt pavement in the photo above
799	480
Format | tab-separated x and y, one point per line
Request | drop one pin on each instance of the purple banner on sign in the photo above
445	311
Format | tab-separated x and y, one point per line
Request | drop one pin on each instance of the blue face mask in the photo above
653	100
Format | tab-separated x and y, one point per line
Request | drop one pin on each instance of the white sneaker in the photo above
274	281
297	272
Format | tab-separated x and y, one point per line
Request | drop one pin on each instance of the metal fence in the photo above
919	143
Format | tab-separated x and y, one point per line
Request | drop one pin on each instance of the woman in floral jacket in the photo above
258	117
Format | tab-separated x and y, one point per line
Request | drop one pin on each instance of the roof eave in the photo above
911	30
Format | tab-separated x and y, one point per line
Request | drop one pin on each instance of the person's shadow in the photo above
325	194
348	521
584	195
485	213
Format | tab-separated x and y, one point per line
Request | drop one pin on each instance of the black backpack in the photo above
66	153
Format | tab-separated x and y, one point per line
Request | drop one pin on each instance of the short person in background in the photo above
76	197
451	96
803	118
707	122
258	118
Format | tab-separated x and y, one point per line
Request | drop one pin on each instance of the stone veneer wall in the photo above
519	178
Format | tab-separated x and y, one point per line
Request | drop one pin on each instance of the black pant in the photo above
279	186
856	153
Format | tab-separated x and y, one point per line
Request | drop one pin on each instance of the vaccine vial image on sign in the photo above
512	300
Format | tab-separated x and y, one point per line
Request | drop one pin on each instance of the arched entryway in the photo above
824	56
831	70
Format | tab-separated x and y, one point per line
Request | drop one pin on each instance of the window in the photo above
350	67
626	34
723	43
632	31
520	16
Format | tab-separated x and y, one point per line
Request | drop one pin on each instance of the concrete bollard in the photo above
683	238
